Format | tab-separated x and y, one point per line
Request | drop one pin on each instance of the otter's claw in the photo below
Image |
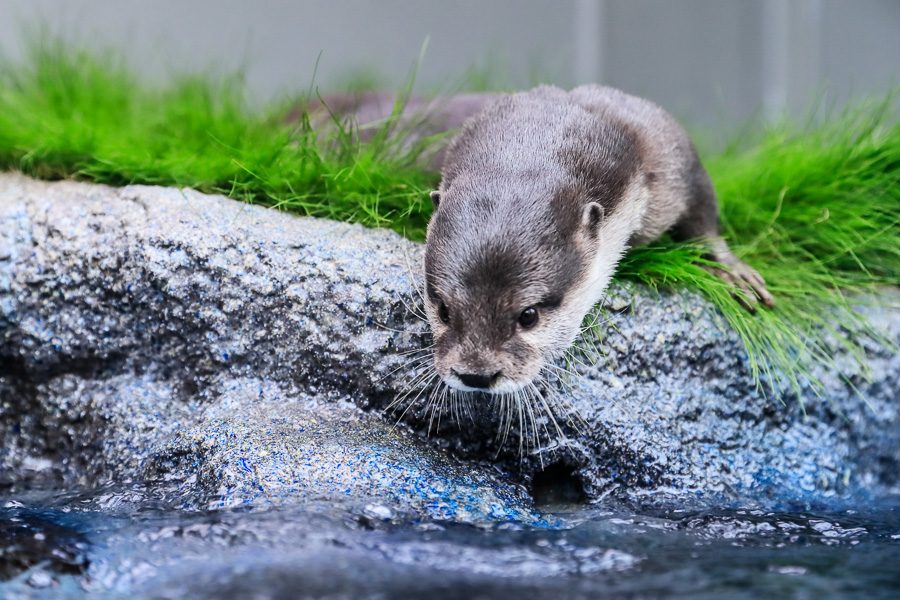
751	287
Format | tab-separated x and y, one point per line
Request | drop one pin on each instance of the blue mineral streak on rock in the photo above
248	354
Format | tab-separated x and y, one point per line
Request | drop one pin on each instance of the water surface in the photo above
143	543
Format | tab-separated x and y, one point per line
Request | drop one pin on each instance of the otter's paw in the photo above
751	287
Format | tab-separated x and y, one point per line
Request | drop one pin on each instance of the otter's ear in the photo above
435	198
593	214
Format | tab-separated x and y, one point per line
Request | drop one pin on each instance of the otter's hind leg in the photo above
701	221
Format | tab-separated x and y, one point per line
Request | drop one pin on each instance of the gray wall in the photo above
714	62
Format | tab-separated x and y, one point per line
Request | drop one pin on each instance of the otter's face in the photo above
502	289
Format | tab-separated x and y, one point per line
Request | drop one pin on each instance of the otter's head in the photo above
506	280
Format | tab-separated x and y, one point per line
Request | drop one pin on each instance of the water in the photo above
137	541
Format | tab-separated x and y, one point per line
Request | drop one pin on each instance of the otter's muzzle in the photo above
477	380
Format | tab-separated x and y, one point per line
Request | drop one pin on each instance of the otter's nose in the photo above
477	380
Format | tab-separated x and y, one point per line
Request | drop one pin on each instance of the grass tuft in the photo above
70	113
816	210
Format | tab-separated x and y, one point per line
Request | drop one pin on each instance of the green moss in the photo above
815	210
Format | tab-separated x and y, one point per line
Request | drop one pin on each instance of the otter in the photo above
541	194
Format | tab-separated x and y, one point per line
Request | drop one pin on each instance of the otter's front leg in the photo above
701	221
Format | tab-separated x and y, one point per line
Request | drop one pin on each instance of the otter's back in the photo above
595	137
668	159
516	133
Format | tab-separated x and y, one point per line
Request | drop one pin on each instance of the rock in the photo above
247	449
249	354
148	333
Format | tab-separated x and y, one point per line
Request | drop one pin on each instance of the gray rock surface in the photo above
156	333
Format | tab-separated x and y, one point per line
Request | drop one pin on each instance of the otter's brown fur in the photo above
541	194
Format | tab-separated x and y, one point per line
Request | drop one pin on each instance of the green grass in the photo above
815	209
817	212
67	113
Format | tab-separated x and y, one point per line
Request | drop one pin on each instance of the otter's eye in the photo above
444	313
529	317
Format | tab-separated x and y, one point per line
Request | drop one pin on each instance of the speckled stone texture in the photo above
156	333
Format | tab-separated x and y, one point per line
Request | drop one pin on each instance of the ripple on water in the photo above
131	540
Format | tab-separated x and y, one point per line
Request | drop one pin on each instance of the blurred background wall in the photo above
713	62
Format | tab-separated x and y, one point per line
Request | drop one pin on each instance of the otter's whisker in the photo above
536	444
423	350
534	436
426	369
416	363
411	363
419	315
412	402
412	276
560	375
442	399
436	405
442	402
506	421
499	401
419	379
510	399
453	399
590	334
466	404
451	402
548	410
510	407
573	416
518	398
517	405
431	406
401	331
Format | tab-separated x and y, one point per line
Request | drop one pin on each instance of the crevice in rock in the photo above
557	484
87	367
